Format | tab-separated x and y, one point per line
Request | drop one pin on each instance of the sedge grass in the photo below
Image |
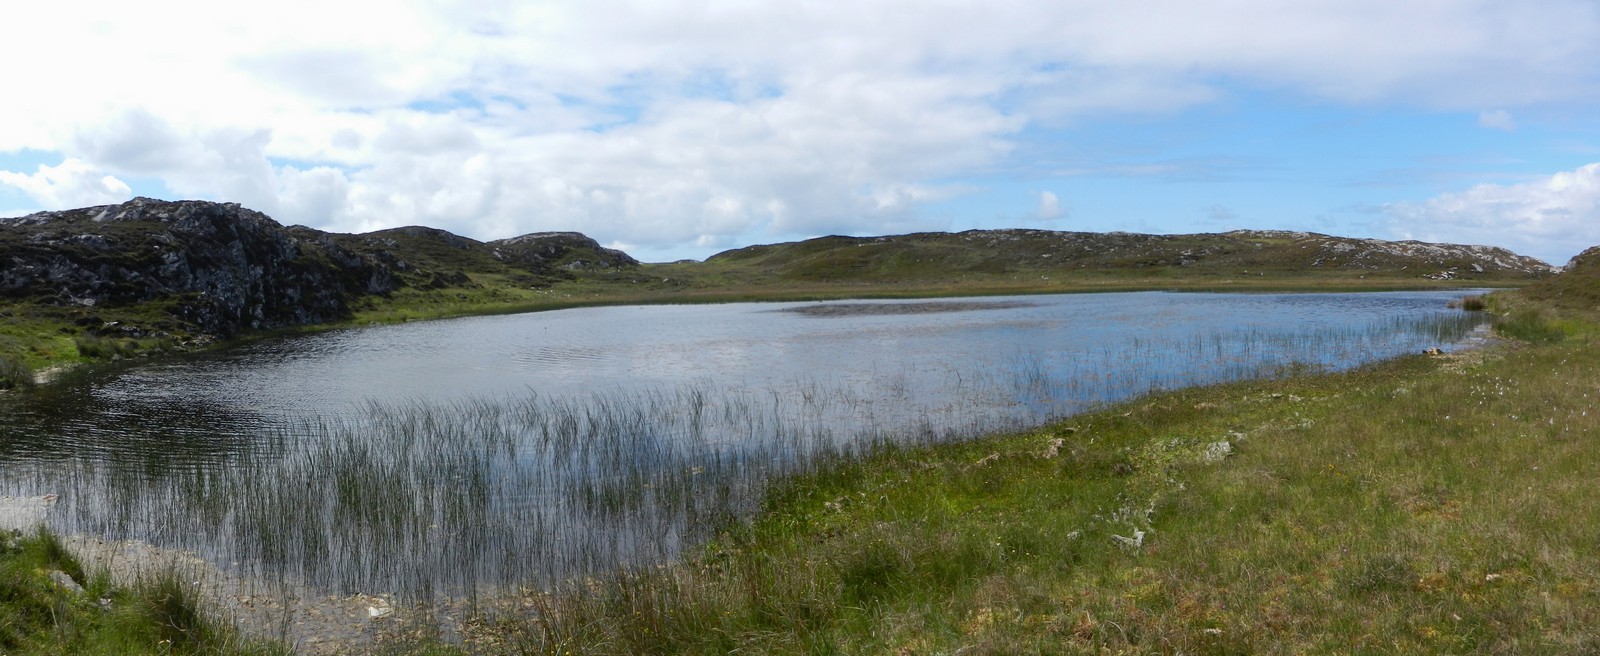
1427	505
425	500
485	498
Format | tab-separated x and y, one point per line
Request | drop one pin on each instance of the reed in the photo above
1426	505
481	499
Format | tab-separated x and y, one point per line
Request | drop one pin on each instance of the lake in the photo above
433	458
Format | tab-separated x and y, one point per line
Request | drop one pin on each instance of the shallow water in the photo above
511	449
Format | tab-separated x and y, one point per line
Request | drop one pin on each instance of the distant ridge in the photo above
171	269
1241	252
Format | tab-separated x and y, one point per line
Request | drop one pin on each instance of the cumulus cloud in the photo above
1049	208
1553	218
73	183
663	125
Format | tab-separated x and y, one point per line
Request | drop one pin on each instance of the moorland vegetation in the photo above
1430	504
149	276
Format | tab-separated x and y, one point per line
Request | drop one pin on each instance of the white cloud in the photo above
1049	208
317	196
1497	119
73	183
660	124
1552	219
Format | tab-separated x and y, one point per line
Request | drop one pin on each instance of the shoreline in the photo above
54	369
325	623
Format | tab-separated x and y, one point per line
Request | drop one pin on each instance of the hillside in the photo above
116	280
1262	254
1577	288
221	268
148	275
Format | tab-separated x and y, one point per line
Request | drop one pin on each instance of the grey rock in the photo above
64	581
228	268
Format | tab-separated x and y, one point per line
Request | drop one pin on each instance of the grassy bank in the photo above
1426	505
1432	504
698	283
49	604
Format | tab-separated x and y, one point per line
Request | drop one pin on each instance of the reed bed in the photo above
429	501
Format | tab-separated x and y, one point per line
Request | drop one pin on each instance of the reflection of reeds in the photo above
426	499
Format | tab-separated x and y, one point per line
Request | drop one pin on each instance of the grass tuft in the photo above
172	606
1529	324
163	615
14	372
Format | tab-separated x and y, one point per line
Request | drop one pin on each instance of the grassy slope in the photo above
1426	505
1025	255
160	616
1576	289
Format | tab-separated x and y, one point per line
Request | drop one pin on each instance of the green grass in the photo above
1043	255
111	348
160	615
1426	505
426	499
35	337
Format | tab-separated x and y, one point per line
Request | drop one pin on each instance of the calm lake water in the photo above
497	450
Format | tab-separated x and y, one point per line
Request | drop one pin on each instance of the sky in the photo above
677	130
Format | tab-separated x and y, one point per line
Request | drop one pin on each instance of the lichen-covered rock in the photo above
224	268
570	250
220	269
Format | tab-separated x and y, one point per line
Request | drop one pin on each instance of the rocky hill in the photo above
1239	253
181	269
218	268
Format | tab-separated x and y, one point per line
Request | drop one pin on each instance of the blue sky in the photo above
679	129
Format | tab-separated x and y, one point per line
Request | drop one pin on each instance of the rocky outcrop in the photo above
223	268
1436	261
570	250
220	269
1586	263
